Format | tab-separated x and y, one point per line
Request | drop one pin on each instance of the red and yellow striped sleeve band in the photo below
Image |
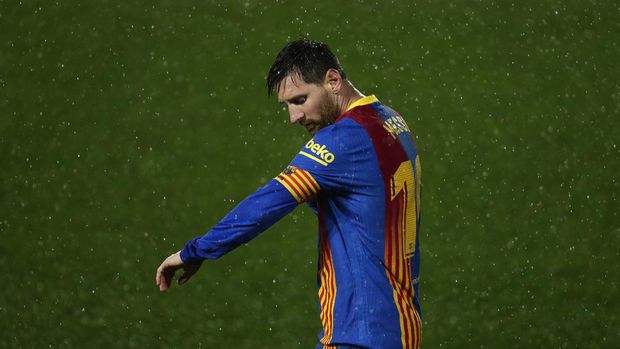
299	183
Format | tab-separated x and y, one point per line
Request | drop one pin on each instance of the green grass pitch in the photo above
127	128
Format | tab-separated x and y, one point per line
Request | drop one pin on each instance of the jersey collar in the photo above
363	101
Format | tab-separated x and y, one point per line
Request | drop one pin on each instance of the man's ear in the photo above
333	80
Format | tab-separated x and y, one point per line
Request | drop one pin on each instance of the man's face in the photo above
311	105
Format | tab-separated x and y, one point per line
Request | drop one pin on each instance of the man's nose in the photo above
295	115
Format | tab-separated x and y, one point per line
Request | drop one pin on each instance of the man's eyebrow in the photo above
292	98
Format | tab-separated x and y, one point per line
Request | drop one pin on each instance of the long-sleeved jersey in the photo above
362	177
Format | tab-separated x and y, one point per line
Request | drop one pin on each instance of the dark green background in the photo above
129	127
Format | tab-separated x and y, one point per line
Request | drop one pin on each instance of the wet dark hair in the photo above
310	59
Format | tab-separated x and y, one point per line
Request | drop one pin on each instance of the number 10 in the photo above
408	181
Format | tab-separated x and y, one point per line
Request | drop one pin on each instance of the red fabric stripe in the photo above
391	155
331	293
398	238
406	320
327	292
404	280
295	178
312	184
290	184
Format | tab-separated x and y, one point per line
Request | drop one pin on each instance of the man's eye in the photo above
300	100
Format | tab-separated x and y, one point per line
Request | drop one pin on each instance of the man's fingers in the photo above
158	274
190	270
166	278
161	280
167	269
185	277
164	275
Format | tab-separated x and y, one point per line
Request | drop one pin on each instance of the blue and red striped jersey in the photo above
362	176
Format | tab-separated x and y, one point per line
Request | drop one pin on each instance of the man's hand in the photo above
168	268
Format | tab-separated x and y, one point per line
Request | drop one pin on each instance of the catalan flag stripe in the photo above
287	184
309	180
400	275
327	291
292	181
299	183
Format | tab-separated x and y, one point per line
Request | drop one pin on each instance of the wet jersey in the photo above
362	176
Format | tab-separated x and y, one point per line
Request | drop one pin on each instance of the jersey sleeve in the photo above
252	216
332	160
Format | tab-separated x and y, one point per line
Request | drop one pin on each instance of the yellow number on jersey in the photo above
404	179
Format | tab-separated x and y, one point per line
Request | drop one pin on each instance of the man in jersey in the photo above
360	173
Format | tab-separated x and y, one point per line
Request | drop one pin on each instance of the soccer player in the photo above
360	173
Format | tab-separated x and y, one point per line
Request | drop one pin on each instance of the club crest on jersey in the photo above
323	155
289	170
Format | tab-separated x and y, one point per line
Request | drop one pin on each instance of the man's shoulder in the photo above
342	125
344	132
337	144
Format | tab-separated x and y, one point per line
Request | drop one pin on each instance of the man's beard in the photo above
329	112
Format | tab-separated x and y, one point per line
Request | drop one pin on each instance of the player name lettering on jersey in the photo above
395	125
323	155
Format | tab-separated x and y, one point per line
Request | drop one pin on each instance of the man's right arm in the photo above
251	217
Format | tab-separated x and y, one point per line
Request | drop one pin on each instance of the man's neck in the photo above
347	95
